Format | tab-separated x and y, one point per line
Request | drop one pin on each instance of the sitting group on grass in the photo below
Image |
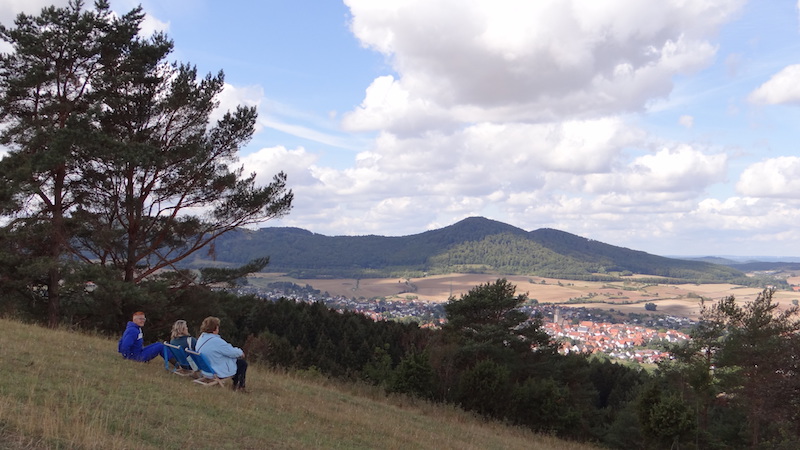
225	359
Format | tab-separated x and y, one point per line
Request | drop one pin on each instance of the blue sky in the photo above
668	127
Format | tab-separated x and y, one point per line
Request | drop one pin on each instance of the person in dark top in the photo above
180	337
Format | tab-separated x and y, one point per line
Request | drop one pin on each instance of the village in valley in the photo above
636	337
628	321
617	340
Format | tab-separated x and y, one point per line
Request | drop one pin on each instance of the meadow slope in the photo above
64	389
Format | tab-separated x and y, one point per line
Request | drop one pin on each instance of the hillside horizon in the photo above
725	259
472	245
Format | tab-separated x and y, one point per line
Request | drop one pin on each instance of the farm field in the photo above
630	296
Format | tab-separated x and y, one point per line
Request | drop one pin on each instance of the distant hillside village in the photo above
632	337
620	341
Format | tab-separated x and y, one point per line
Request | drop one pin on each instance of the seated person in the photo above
180	337
131	345
225	359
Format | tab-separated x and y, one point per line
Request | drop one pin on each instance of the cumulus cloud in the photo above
517	110
776	177
388	105
783	87
266	162
234	96
665	182
487	158
680	169
484	61
151	25
9	9
577	175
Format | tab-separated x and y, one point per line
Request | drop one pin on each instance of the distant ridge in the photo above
755	264
475	244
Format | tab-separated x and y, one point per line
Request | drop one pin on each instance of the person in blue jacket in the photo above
225	359
131	345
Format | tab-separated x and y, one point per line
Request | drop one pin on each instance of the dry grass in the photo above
61	389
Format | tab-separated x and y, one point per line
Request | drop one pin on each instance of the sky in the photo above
669	127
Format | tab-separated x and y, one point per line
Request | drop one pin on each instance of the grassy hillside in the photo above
61	389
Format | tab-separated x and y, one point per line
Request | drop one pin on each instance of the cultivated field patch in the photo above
629	296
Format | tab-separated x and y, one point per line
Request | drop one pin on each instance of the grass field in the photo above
677	299
65	390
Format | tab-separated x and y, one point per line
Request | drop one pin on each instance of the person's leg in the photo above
239	376
151	351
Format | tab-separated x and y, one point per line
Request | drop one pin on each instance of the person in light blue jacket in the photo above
225	359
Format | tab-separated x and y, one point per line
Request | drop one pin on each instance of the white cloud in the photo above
578	175
232	96
776	177
9	9
783	87
584	146
298	165
686	121
387	104
758	218
675	170
485	159
485	61
669	174
151	25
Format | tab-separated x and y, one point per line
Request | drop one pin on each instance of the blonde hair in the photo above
180	329
210	324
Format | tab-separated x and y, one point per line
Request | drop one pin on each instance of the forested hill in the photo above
475	244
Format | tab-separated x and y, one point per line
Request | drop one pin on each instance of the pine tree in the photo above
489	316
48	107
111	153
